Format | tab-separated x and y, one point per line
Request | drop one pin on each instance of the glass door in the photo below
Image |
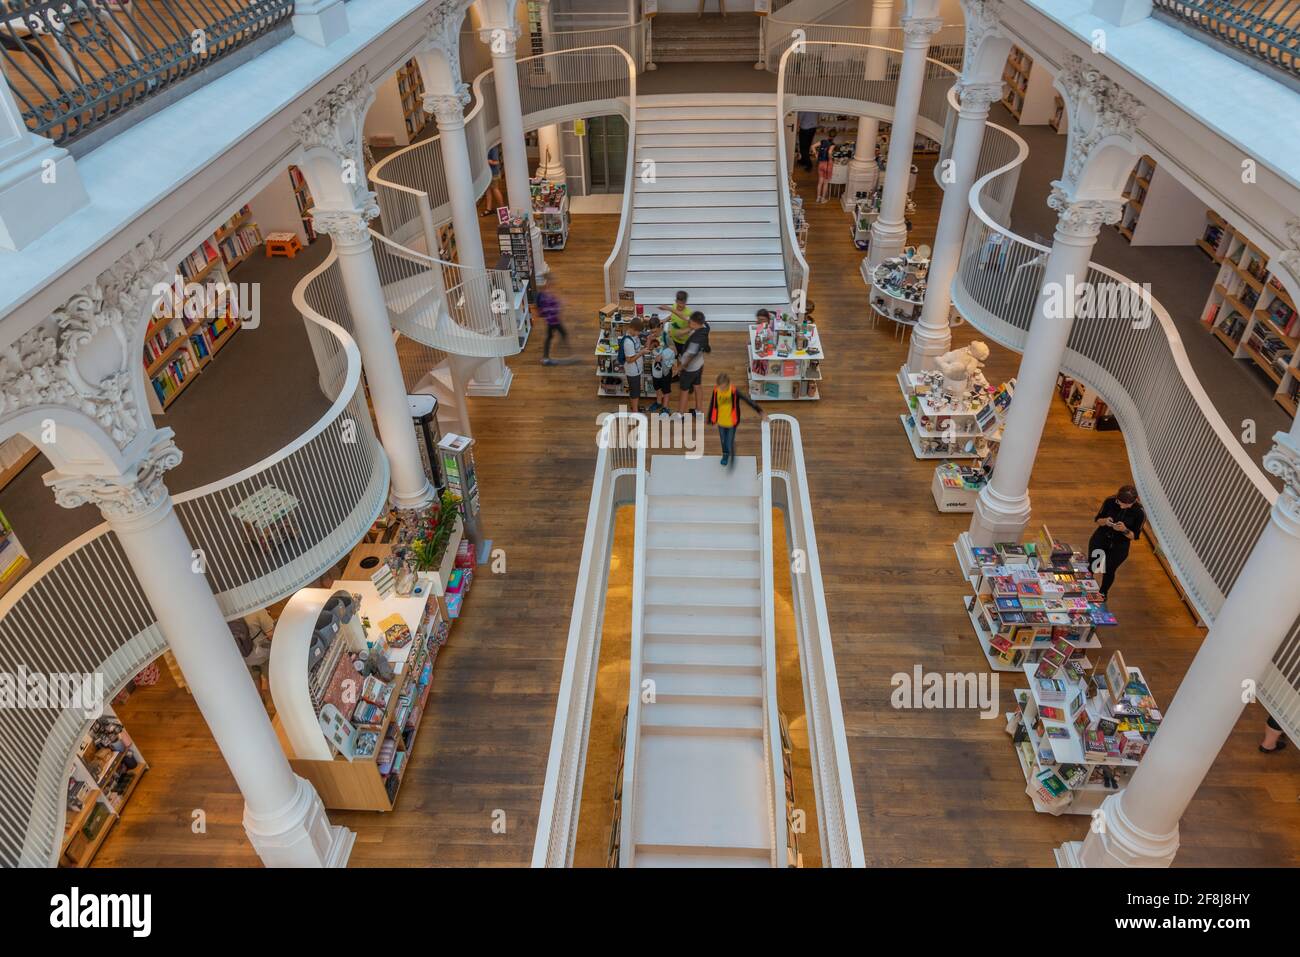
607	153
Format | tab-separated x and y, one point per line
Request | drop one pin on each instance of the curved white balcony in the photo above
82	609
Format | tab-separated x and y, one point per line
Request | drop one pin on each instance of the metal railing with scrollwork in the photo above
82	610
1265	30
75	64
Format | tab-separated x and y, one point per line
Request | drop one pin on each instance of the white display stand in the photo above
972	433
801	386
947	499
888	300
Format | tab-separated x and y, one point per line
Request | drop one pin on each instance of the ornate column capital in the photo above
448	108
978	97
43	366
1283	460
918	30
1099	109
348	227
1082	219
500	39
442	31
334	123
132	495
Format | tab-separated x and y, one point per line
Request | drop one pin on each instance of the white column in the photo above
39	182
889	231
932	337
492	376
283	816
410	487
449	110
1002	508
505	76
863	171
551	163
1138	826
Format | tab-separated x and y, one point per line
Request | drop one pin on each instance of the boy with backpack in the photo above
724	412
691	361
630	351
662	358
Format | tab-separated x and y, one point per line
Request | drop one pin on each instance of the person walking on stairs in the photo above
1119	523
679	321
724	412
691	362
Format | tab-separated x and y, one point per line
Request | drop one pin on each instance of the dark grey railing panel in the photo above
1267	30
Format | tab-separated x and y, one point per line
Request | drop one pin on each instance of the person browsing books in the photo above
724	412
631	351
691	363
1119	523
679	321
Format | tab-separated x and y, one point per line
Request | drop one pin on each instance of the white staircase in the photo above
706	221
700	791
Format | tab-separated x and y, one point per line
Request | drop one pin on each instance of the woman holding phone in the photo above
1119	523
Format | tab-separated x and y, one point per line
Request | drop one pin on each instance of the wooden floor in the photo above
933	787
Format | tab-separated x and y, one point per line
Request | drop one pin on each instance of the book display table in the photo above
785	360
940	425
1031	601
1078	738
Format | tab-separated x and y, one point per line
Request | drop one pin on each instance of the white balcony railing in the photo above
779	34
83	611
837	806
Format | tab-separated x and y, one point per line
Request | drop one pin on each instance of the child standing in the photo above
632	349
724	412
661	368
678	324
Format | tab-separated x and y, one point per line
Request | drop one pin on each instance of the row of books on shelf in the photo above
792	389
168	380
239	244
786	368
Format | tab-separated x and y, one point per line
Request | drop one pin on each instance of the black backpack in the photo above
701	335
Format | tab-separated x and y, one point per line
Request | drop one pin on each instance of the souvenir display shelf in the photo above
785	358
940	426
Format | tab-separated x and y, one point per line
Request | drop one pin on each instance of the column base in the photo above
300	834
419	500
556	173
998	518
926	346
1115	841
887	241
491	379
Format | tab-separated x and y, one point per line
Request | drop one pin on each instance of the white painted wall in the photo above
275	210
1171	214
385	115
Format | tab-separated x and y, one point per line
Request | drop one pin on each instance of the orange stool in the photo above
282	244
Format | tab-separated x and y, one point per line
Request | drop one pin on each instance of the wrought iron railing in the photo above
74	65
1267	30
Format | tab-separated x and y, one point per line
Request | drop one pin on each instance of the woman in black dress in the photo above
1119	522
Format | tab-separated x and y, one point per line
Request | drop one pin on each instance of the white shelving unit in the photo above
969	436
793	377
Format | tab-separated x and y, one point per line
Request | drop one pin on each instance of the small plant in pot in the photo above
429	549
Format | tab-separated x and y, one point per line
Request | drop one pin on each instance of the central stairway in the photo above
706	221
688	38
702	789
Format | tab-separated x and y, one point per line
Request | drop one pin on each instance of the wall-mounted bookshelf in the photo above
410	87
1029	95
188	327
302	196
1135	194
1250	311
1059	121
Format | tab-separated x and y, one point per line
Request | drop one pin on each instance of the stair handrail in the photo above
775	757
776	30
1206	541
837	809
632	748
796	266
557	820
82	608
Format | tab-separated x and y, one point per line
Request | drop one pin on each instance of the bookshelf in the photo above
1250	311
200	314
785	359
1078	738
104	774
14	560
302	198
1029	95
1135	195
410	88
551	211
1088	410
1028	599
1059	121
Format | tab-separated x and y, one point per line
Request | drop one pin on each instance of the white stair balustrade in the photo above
705	206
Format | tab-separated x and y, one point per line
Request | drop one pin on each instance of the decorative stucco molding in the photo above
1082	218
1283	460
1098	109
122	497
349	227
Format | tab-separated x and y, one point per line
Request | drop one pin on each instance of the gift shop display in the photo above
954	417
898	287
614	317
785	356
515	244
103	776
551	211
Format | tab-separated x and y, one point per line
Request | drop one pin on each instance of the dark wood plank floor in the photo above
933	787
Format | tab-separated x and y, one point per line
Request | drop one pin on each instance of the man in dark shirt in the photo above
1119	522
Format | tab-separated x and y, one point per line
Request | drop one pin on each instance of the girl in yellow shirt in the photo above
724	412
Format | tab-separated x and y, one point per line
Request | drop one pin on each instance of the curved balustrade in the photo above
778	35
834	70
468	312
1178	444
632	38
82	610
837	806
